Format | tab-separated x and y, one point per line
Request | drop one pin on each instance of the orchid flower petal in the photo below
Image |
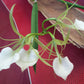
7	57
62	67
6	52
79	24
27	58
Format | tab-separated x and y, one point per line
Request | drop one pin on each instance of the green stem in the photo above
12	22
35	34
70	4
46	21
50	26
55	46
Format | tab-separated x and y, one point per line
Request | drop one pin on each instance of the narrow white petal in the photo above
79	24
63	68
27	58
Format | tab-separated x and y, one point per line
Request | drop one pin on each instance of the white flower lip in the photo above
27	58
23	58
7	57
79	24
64	68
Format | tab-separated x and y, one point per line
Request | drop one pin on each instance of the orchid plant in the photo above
62	66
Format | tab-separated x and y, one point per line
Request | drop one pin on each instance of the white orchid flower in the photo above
62	67
79	24
7	57
27	58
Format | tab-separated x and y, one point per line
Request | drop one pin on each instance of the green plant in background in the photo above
70	4
26	58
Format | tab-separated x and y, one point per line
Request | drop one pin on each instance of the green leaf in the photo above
34	67
34	26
